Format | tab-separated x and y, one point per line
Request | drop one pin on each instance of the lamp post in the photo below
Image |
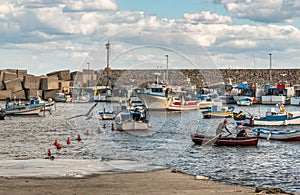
88	83
107	45
270	67
167	56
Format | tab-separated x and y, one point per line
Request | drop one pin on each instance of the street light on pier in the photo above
270	67
167	56
107	45
88	64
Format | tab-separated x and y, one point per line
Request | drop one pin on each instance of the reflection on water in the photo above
166	143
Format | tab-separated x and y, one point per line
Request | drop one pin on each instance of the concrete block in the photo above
50	94
9	76
64	84
13	85
19	95
49	83
33	92
21	74
64	75
4	94
31	82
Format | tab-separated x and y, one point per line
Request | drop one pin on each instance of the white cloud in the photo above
60	32
207	17
264	11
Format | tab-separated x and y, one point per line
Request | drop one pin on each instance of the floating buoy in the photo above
112	127
56	142
68	141
58	146
79	138
49	152
104	126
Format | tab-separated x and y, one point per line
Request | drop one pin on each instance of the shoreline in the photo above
67	176
154	182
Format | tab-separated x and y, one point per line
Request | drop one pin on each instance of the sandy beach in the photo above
156	182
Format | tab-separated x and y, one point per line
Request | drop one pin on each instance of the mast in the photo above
107	45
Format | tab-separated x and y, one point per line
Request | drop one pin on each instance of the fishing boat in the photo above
2	114
180	103
136	103
276	118
107	114
215	112
20	108
277	134
154	97
48	105
239	116
244	102
132	120
225	141
61	97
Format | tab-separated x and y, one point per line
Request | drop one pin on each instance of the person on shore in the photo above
242	130
221	128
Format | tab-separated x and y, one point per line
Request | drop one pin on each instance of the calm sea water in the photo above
167	143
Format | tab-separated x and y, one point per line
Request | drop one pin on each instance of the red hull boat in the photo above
225	141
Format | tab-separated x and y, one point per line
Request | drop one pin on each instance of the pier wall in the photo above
18	83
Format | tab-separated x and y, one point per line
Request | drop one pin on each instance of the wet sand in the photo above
156	182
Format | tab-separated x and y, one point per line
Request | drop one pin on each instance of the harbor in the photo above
165	144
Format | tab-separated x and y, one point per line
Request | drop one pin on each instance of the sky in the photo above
45	36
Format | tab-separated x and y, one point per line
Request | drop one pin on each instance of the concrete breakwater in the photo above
21	85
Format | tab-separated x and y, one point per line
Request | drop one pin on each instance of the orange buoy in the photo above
58	146
68	141
104	126
79	138
112	127
49	152
56	142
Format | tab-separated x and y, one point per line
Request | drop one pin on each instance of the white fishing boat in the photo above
133	120
244	102
295	100
106	114
276	118
278	134
180	103
20	108
154	97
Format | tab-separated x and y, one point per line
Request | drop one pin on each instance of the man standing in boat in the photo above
221	128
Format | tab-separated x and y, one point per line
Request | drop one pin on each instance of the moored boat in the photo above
244	102
23	109
107	114
181	104
2	114
277	134
133	120
225	141
214	112
276	118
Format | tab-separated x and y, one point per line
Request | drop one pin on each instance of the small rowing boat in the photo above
225	141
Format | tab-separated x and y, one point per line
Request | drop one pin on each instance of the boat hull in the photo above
207	114
26	111
266	122
281	135
153	102
226	141
132	125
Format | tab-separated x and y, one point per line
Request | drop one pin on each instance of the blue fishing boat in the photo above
276	118
20	108
276	134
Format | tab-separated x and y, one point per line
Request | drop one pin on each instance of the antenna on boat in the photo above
167	79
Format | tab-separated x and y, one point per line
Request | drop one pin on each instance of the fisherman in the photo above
221	128
242	130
